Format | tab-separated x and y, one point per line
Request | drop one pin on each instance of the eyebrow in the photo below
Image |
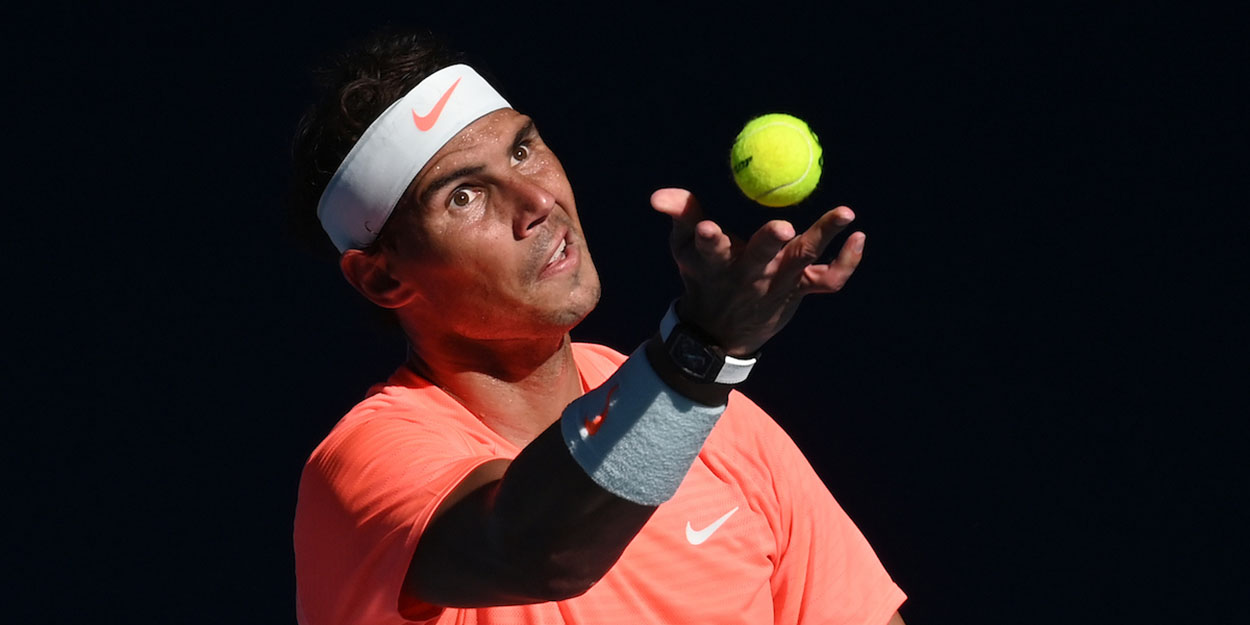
523	133
442	181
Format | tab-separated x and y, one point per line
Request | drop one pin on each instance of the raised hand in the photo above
742	293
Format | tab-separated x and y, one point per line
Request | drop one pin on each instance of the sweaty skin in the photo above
489	272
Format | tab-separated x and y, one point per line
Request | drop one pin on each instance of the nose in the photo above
531	204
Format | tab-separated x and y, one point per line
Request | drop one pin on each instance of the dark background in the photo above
1024	397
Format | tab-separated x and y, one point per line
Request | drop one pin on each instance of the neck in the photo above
518	388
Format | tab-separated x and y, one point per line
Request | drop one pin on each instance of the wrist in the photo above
699	355
692	362
682	311
706	393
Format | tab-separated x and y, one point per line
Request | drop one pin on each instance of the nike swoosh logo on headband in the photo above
426	122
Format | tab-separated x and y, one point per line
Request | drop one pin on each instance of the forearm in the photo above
547	530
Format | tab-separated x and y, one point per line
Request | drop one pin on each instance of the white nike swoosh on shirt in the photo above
696	537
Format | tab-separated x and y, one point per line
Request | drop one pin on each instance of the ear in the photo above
371	275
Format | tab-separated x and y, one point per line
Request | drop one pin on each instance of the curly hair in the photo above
356	86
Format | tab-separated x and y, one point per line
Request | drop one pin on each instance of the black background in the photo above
1025	397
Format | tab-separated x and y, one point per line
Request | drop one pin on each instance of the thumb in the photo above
679	204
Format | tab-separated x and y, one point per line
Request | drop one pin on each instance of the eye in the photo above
462	197
520	153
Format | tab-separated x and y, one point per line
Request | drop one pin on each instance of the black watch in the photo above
697	357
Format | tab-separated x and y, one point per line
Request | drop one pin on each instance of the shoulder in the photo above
390	409
744	418
404	425
389	462
369	489
748	439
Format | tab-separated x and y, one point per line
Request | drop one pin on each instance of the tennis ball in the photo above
776	160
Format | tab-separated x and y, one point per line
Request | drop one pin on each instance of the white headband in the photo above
395	147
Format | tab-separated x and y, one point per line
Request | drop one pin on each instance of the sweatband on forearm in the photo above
636	437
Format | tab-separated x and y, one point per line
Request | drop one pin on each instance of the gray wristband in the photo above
636	437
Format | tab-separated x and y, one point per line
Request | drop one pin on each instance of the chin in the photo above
579	306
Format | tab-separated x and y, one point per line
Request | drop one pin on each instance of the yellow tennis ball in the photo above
776	160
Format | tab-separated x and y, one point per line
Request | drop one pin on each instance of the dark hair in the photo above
356	86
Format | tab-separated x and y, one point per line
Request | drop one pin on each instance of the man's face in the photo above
494	248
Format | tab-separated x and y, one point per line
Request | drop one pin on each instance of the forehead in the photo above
492	129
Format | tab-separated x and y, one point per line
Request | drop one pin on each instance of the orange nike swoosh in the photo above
426	122
592	425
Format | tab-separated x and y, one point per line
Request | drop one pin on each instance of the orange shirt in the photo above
752	535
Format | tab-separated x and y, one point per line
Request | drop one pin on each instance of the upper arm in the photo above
365	496
488	472
531	530
428	559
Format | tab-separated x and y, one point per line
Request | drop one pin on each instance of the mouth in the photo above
562	257
560	254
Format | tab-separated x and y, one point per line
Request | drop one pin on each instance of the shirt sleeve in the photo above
365	496
826	572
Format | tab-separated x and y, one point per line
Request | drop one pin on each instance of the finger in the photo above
828	227
713	244
766	243
808	247
681	205
832	277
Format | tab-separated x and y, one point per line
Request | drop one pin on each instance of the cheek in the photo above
548	168
480	265
557	172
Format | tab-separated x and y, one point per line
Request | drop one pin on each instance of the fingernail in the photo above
859	247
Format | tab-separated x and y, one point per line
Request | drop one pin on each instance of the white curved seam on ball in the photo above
810	158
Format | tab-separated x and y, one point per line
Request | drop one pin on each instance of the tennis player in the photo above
505	474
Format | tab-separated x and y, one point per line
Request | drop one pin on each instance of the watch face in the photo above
691	355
